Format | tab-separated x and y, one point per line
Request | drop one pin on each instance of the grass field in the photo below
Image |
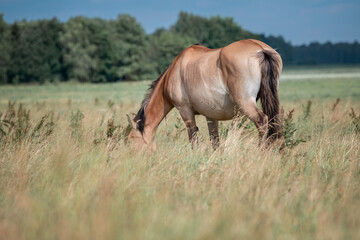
66	173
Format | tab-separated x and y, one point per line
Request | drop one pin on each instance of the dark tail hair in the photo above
271	65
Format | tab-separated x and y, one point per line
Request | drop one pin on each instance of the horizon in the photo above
308	21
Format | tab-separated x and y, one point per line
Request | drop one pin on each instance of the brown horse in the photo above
216	83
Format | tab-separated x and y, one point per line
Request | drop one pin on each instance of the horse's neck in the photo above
157	108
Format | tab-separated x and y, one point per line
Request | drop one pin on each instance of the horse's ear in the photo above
132	123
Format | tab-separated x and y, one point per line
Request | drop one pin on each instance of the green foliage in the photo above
4	50
76	124
79	49
96	101
131	44
307	110
36	52
116	132
336	103
111	127
14	68
98	50
314	53
165	46
327	53
289	129
237	123
16	125
110	103
179	128
214	32
355	120
44	127
113	133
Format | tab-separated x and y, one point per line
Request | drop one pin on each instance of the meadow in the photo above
66	171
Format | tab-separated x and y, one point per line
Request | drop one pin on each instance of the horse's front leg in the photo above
188	116
213	126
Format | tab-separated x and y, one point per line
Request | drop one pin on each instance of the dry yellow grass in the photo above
76	183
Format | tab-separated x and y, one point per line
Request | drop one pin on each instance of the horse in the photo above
218	84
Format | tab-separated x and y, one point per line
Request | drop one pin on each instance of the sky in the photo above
298	21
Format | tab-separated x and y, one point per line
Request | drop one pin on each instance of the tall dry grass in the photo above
81	181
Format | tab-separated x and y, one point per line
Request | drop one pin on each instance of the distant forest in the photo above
97	50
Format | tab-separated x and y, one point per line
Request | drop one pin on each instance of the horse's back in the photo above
208	80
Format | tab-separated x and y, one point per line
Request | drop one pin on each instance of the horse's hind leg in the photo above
258	117
189	118
213	126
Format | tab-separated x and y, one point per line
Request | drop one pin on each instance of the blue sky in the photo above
301	21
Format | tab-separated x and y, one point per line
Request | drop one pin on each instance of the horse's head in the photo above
136	138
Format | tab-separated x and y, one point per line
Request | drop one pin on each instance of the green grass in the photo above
76	183
322	69
74	91
348	89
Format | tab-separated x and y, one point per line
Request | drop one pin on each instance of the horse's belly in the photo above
214	105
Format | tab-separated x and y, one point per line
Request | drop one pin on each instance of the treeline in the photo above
315	53
97	50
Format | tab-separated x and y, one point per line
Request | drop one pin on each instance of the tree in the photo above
4	50
35	51
130	43
211	32
79	51
165	46
96	50
15	60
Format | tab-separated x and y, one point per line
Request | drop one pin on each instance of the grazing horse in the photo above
216	83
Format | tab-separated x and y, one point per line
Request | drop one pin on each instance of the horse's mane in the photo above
140	116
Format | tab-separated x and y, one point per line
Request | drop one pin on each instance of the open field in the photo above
66	172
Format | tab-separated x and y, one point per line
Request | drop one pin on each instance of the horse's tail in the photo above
271	66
